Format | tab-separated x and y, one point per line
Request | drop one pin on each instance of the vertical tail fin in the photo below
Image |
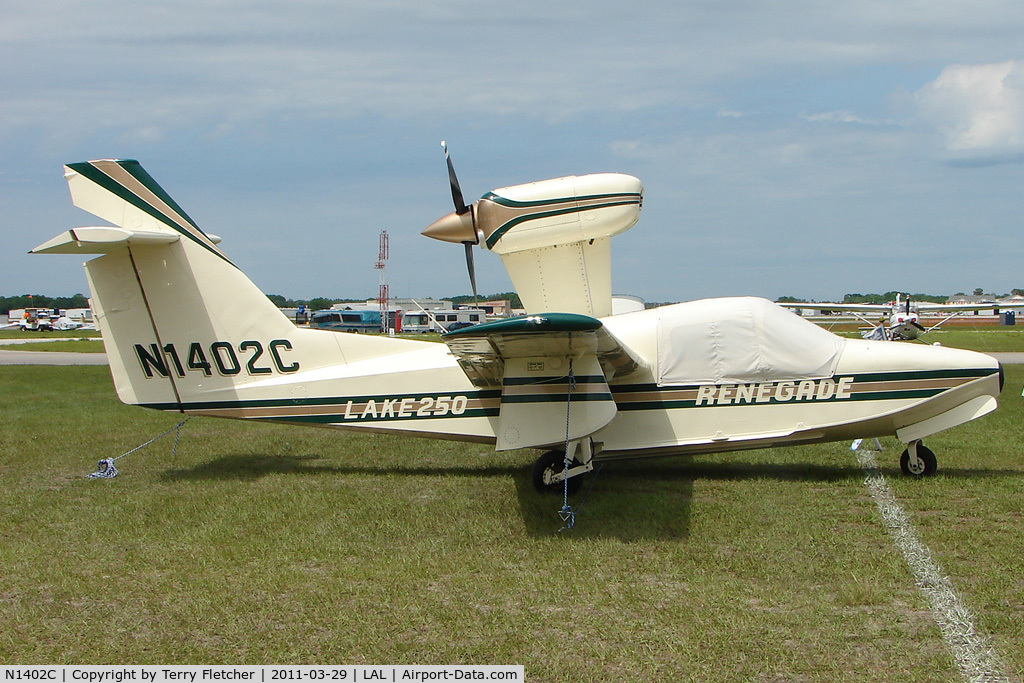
182	325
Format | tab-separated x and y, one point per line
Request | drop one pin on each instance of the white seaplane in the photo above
186	331
900	319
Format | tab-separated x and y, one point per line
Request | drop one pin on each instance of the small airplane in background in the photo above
901	319
41	319
187	332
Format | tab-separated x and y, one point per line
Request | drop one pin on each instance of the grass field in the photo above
73	346
273	544
987	338
46	334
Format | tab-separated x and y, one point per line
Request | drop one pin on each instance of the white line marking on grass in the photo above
975	656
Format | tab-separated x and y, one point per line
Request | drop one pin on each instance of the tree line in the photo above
468	299
891	296
315	304
42	301
319	303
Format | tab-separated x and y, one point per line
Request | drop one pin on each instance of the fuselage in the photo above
186	331
877	389
873	389
903	323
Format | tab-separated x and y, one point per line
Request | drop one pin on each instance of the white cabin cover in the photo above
736	340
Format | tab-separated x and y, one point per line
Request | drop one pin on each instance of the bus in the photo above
346	321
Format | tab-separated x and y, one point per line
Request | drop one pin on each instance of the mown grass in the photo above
986	338
74	346
265	543
47	334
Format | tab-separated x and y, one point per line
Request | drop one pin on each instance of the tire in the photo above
548	464
927	458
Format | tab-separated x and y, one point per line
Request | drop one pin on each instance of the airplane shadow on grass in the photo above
651	499
251	467
637	501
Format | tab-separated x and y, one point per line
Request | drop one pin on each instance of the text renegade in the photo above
774	392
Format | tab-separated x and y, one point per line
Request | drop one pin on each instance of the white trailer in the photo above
442	319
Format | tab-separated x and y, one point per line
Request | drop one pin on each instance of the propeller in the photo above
460	203
460	210
912	319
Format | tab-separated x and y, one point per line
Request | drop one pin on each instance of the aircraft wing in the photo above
552	368
951	308
853	308
886	308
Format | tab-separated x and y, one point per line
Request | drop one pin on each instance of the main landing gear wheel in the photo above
549	464
926	463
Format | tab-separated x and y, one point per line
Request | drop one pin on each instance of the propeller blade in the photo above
471	267
460	203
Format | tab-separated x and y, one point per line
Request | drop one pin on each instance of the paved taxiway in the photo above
19	357
51	358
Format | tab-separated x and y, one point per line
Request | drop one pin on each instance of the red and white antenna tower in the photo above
381	266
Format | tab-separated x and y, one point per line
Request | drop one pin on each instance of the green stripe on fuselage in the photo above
312	402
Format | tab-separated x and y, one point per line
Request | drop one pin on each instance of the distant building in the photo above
497	308
404	304
1013	303
968	299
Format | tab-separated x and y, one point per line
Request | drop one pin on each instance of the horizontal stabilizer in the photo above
122	192
101	240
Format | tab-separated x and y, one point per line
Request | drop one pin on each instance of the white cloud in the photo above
978	110
842	116
324	112
176	63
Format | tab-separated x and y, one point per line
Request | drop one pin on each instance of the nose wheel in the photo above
918	460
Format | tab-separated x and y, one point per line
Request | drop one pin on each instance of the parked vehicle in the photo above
346	320
442	320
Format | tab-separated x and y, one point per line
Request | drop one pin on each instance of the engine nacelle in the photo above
553	236
560	211
547	213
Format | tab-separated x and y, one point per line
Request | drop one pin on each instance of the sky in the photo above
793	148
